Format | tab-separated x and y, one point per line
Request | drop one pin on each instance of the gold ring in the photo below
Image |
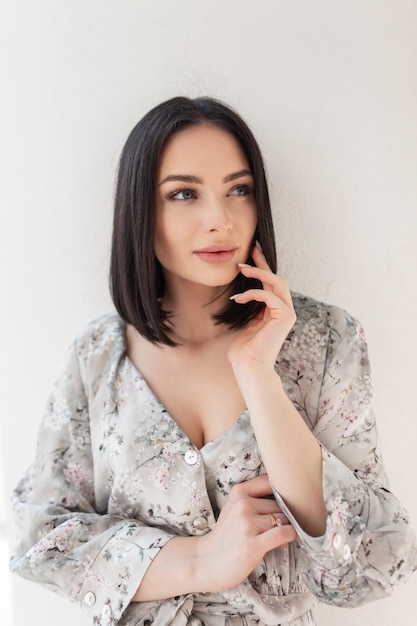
275	519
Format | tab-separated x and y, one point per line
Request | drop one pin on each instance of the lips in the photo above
218	247
217	253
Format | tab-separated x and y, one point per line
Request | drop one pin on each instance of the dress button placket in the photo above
347	552
191	457
106	612
200	523
337	541
89	598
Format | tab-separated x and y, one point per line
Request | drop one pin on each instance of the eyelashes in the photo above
241	190
185	192
188	193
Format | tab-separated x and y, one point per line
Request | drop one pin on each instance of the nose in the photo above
218	218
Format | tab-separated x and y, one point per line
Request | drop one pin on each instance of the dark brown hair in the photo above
136	277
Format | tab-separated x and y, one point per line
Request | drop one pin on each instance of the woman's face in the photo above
205	208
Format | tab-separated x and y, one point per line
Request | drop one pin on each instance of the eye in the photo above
241	190
181	194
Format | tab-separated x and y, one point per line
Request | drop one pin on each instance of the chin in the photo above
223	279
210	278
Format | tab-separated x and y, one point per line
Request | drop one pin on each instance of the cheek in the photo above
252	215
168	236
164	227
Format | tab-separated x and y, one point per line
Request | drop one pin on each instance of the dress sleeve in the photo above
369	545
95	559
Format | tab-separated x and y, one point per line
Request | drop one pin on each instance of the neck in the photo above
192	312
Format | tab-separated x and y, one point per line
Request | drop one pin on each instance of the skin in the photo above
226	370
221	208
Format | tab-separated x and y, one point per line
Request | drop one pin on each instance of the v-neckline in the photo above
184	435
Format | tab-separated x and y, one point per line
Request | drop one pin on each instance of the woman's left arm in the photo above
368	545
290	452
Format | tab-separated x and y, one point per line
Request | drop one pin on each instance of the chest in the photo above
146	466
203	398
199	391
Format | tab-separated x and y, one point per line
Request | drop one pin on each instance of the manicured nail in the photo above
244	265
258	245
235	295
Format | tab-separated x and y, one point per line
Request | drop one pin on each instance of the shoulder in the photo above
324	342
101	335
325	320
99	346
323	333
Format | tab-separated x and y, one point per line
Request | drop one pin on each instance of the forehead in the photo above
197	149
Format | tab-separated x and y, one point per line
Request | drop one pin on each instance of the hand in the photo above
262	339
243	534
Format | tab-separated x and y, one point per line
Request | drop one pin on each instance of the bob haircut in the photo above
136	276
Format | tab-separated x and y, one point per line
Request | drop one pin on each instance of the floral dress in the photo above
115	478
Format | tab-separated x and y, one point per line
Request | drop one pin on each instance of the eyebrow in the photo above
185	178
238	174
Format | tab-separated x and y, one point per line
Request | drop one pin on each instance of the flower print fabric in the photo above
115	478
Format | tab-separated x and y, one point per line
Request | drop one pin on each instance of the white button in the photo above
191	457
106	611
89	599
337	541
200	523
346	552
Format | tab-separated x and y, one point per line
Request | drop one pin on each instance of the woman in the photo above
209	453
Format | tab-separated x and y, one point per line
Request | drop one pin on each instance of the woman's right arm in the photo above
225	556
67	542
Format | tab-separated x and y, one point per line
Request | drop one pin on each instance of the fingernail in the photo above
258	245
244	265
235	296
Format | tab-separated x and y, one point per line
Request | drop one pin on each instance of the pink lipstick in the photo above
217	253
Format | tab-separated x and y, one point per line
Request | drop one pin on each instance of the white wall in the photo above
330	88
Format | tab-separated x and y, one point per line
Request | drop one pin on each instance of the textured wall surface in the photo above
330	89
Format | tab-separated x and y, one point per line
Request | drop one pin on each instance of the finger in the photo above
272	301
257	487
274	520
278	311
263	274
268	521
266	506
269	279
259	257
277	537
